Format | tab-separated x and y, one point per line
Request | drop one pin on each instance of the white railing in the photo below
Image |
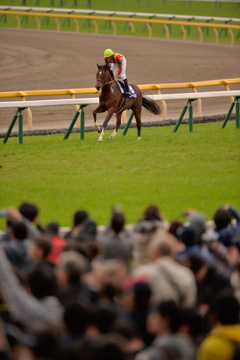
123	13
90	101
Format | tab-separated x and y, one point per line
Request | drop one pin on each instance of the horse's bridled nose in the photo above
98	87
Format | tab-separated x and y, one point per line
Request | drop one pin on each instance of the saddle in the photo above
122	88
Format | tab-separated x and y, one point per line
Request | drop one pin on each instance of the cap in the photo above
108	53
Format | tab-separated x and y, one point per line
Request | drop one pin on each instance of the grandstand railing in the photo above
156	87
112	19
122	13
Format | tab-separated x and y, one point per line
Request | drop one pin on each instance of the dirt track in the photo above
40	60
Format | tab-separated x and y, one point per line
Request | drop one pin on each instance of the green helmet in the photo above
108	53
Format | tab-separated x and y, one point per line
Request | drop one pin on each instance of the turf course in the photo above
173	170
200	8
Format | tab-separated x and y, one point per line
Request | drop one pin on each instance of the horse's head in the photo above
104	76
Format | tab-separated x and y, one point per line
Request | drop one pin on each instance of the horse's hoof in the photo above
138	138
99	139
111	138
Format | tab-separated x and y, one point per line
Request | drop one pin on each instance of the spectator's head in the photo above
117	222
192	322
131	334
103	318
197	221
221	218
19	230
136	293
166	319
187	235
89	230
152	213
226	308
42	282
163	244
40	248
47	344
52	228
141	294
79	217
28	210
101	348
70	267
76	318
198	265
174	226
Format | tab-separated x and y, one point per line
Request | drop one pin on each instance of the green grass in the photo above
173	170
149	6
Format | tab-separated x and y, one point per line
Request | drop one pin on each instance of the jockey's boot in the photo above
128	92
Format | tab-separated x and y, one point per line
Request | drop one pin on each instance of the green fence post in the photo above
237	115
20	128
82	125
10	128
190	108
180	118
125	130
72	124
227	116
82	119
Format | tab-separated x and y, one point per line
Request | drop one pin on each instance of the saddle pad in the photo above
123	90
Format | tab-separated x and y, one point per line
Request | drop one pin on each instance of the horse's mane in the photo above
106	67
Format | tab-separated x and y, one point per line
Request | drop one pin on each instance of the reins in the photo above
103	84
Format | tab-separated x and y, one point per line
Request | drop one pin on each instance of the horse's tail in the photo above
151	105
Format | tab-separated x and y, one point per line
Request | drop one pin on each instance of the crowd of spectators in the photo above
157	290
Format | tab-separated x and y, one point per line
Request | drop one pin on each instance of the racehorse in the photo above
113	101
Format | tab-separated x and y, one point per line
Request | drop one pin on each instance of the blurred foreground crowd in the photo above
155	291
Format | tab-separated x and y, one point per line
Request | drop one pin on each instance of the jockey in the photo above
118	65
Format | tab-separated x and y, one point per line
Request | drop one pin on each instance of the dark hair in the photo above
76	317
19	230
152	213
28	210
101	348
79	217
194	320
195	262
165	249
42	282
142	293
44	244
73	272
188	236
127	328
117	222
227	309
47	344
103	317
222	218
170	311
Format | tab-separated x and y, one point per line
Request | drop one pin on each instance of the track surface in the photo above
41	60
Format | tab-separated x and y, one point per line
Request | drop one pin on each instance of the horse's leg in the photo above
118	123
99	109
137	114
109	115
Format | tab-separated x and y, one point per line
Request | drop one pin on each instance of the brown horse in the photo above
113	101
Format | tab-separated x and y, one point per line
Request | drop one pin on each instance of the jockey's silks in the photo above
115	59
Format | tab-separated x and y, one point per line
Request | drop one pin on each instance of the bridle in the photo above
104	83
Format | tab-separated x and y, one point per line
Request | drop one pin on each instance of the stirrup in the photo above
128	93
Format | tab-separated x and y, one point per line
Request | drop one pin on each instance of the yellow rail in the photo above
111	18
9	94
229	27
